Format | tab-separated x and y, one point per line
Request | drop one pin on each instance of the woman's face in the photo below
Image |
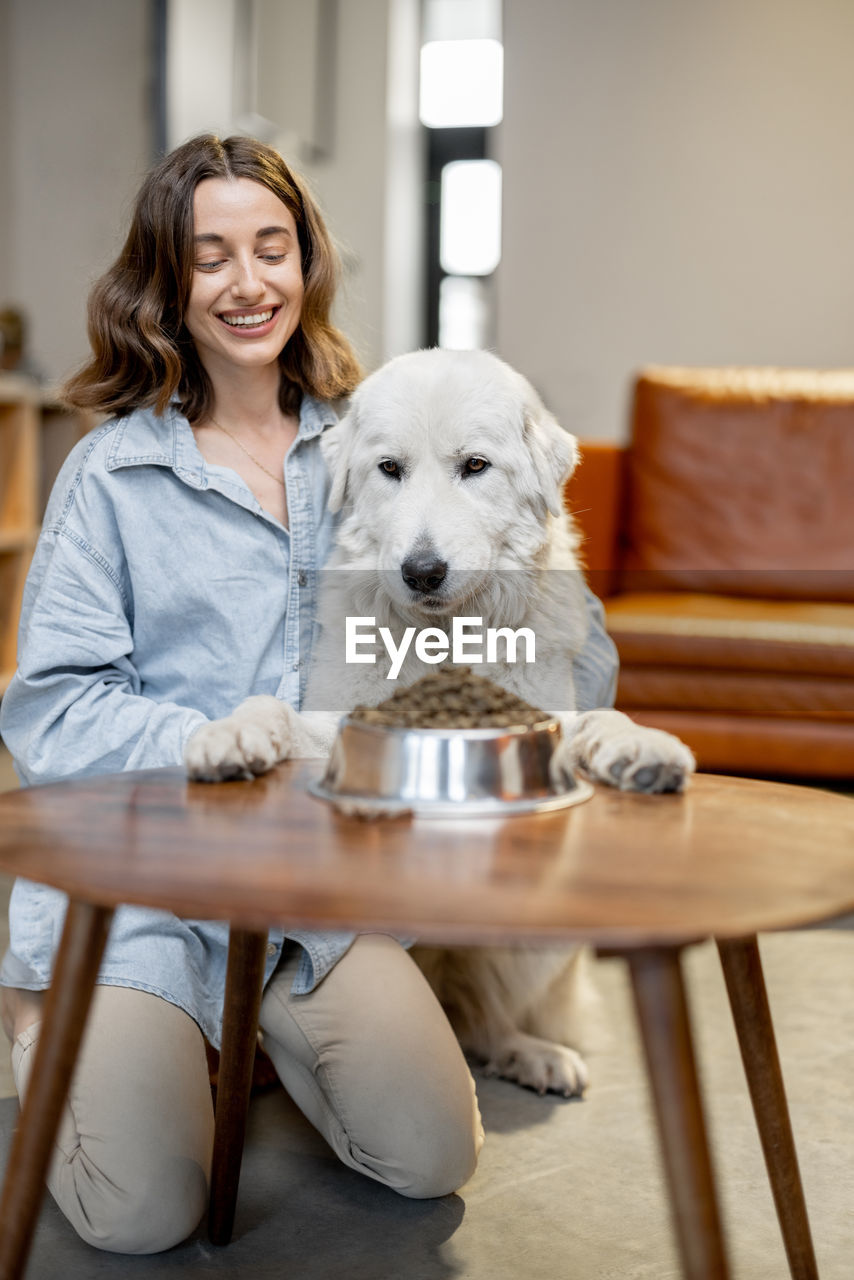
246	296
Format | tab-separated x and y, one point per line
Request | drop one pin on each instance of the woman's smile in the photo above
250	324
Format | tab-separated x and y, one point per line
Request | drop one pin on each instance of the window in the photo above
461	102
462	83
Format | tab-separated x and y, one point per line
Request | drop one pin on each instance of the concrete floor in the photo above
564	1190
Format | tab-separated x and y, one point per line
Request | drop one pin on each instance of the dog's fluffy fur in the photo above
409	493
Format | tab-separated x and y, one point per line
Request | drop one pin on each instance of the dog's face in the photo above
447	467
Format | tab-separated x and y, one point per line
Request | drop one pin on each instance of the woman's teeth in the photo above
261	318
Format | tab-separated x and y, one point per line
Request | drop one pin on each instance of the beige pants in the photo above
368	1056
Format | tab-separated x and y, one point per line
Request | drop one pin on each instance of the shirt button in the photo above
271	948
295	667
302	577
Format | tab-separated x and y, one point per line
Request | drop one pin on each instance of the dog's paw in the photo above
248	742
539	1064
611	748
562	766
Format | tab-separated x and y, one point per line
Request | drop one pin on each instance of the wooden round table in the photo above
642	876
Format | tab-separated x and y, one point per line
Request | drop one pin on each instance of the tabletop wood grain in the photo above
731	856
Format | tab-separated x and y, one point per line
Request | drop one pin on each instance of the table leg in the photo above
665	1030
66	1006
752	1016
247	950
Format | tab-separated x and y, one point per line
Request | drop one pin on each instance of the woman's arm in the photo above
75	704
597	666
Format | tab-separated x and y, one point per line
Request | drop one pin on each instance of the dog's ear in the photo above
554	453
335	445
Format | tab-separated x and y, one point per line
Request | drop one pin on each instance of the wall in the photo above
404	211
77	139
677	189
677	181
200	89
370	186
5	142
76	136
350	182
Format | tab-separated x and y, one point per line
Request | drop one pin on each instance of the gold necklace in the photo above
250	456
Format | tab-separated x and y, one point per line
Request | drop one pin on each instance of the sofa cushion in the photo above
733	633
740	481
736	692
767	746
696	655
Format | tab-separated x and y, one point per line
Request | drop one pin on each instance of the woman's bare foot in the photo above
19	1009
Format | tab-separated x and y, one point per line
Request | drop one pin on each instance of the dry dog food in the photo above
452	697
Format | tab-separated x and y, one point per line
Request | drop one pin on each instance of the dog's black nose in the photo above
424	573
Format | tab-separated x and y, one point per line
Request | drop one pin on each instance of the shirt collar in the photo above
148	438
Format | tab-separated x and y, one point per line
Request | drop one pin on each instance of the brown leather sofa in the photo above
721	539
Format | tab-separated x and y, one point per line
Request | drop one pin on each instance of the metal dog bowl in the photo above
445	772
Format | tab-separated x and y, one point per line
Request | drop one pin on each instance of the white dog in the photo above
449	474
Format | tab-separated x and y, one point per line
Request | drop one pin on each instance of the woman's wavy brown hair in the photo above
142	354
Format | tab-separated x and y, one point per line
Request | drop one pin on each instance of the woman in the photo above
175	576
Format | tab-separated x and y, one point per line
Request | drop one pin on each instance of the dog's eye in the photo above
475	465
390	468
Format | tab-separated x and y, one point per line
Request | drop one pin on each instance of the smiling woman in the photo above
172	580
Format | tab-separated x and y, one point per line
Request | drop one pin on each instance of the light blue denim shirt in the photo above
161	595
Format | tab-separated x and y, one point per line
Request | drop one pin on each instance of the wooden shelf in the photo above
36	433
15	390
17	539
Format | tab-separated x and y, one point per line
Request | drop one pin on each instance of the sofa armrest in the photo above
595	496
